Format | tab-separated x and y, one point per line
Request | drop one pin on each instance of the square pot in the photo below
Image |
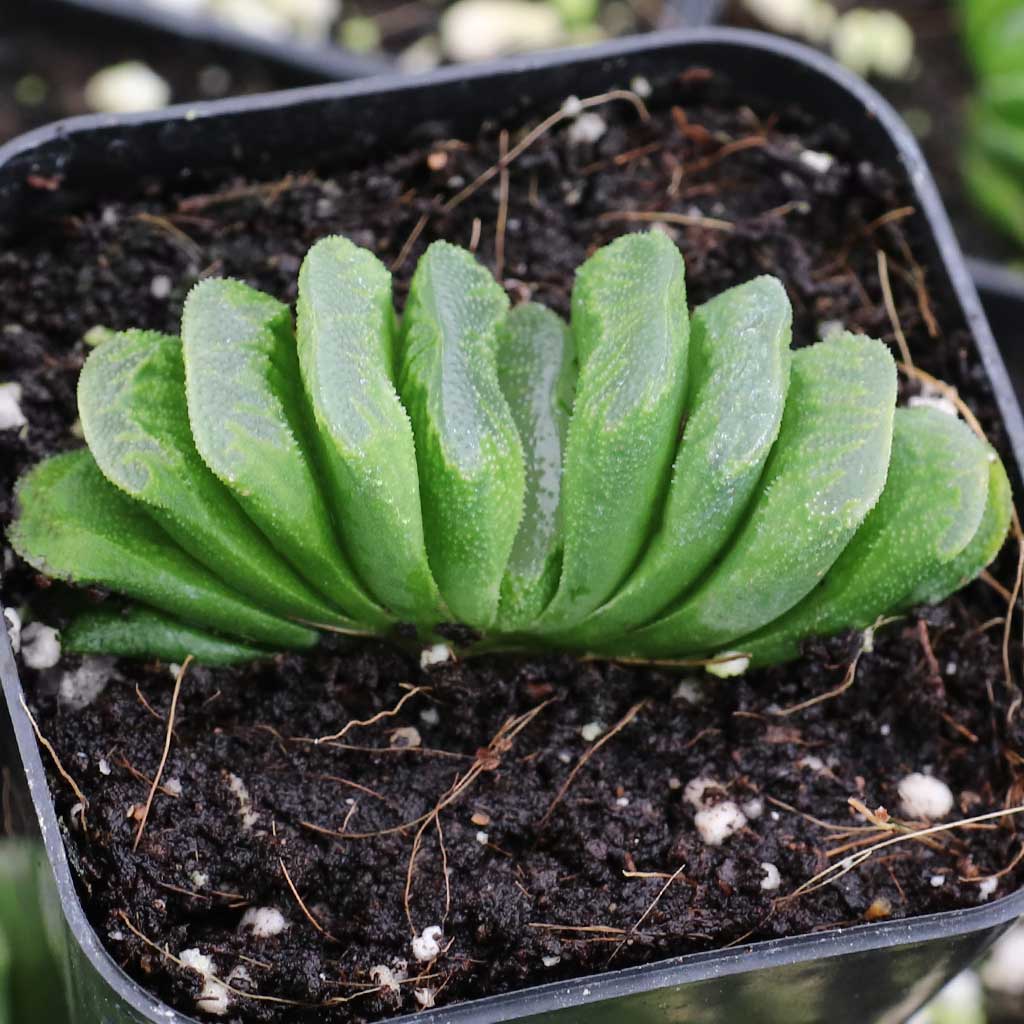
867	973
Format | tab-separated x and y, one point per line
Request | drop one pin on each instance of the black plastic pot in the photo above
302	62
1002	294
296	62
870	973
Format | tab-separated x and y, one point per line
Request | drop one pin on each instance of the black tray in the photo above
297	61
869	973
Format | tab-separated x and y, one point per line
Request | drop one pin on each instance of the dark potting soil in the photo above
934	100
249	803
60	54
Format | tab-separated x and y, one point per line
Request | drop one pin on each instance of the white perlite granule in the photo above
772	879
214	996
263	922
11	416
246	813
924	798
126	88
427	945
728	665
81	686
40	645
718	823
436	655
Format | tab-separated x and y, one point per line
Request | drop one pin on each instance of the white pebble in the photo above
591	731
641	86
11	416
820	163
1004	971
81	686
587	129
427	945
809	19
13	622
160	286
925	798
987	887
199	879
772	879
406	736
425	997
622	801
874	42
812	763
483	838
675	783
388	978
481	29
245	812
937	881
950	668
127	88
732	664
885	729
436	655
572	106
40	645
550	961
173	786
214	996
263	922
718	823
565	757
104	766
696	788
430	716
691	691
753	808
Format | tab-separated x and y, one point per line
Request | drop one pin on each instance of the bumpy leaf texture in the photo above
642	482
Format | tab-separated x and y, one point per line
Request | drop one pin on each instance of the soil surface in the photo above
934	101
499	740
47	58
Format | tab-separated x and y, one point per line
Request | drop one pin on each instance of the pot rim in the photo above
674	971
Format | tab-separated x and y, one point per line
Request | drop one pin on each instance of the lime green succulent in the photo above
642	483
994	150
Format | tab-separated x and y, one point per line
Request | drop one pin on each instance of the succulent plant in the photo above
644	483
993	158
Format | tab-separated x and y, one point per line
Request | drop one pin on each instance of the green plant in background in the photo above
994	152
642	482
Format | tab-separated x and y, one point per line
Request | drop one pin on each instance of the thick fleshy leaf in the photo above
739	375
825	473
983	547
994	31
631	327
995	190
1003	95
932	505
468	450
345	336
537	372
131	398
250	422
137	632
73	524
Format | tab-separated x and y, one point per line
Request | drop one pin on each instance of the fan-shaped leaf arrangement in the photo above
642	483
